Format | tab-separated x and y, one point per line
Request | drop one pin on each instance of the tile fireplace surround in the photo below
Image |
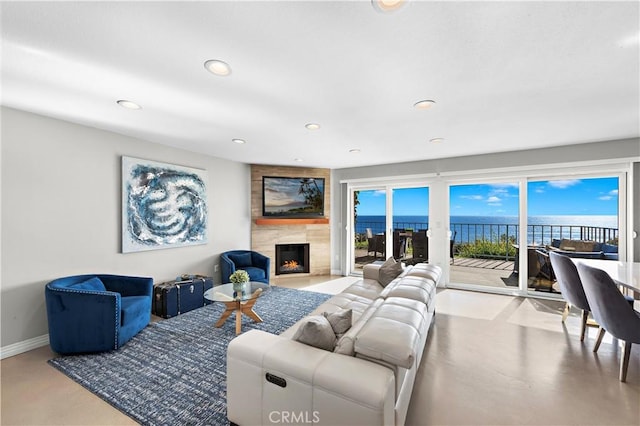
266	233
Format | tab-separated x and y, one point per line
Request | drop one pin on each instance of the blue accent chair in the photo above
257	265
96	313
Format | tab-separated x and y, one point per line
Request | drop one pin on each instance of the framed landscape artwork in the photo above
163	205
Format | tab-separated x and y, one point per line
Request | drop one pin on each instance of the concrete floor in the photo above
489	360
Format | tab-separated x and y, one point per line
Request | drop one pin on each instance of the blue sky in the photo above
597	196
407	202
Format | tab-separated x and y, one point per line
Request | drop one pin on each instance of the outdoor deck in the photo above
484	272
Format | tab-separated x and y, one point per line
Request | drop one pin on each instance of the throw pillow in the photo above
92	284
340	321
241	260
389	271
317	332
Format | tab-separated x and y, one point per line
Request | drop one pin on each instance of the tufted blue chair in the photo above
257	265
95	313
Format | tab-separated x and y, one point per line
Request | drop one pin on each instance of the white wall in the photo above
61	213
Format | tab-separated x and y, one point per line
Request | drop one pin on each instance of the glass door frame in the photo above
438	184
487	179
388	187
624	224
621	171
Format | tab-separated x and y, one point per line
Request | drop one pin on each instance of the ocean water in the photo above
540	229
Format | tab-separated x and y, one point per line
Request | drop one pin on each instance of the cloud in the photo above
472	197
562	184
540	190
493	199
611	195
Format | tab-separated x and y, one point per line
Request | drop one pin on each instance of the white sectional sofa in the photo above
367	380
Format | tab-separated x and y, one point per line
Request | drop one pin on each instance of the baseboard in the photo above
24	346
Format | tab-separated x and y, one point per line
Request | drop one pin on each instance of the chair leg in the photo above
601	332
585	317
624	361
565	313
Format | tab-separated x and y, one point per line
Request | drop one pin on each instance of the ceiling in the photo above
504	75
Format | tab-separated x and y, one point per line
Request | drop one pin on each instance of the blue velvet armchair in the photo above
96	313
257	265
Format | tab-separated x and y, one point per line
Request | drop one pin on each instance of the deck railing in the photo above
505	235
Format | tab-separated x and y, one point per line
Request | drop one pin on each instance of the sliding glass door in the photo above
580	217
369	227
410	224
484	234
389	221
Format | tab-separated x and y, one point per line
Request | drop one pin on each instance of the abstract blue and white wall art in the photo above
163	205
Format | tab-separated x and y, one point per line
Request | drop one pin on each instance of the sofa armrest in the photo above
279	375
261	261
86	316
371	271
227	267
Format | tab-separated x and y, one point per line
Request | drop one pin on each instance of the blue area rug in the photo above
174	371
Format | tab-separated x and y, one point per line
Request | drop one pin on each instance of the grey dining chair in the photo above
611	310
572	291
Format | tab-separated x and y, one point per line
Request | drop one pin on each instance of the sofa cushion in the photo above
92	284
241	259
255	274
340	321
426	270
366	288
316	331
411	287
389	270
387	338
134	308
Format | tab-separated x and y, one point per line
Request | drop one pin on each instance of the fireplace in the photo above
292	259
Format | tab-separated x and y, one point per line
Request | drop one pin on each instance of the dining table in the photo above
625	274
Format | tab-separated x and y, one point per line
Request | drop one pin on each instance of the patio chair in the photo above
371	242
375	243
452	243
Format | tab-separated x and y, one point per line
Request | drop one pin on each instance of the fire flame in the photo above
290	264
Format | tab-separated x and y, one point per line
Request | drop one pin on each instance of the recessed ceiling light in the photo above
424	104
297	159
312	126
436	140
239	141
128	104
217	67
354	150
386	6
